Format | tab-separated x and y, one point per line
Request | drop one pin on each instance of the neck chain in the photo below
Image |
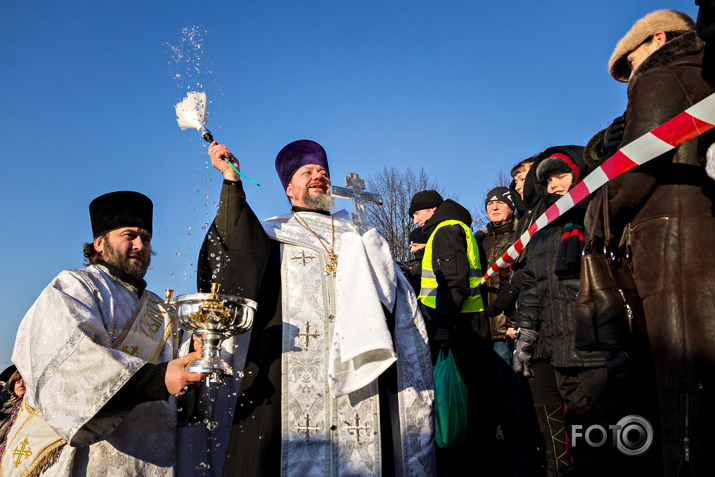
332	266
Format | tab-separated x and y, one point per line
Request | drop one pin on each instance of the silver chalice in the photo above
214	318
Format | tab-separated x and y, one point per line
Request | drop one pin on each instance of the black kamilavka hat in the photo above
120	209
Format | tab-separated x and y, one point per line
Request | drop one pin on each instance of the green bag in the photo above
450	402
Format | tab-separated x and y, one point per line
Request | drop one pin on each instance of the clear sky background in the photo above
459	88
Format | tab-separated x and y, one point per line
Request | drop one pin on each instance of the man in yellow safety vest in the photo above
454	312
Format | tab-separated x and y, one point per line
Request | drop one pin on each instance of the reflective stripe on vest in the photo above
428	290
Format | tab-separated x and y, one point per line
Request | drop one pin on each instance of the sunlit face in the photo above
128	249
636	57
499	213
310	187
19	388
423	215
519	180
559	183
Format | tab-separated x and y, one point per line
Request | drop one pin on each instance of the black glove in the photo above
618	363
506	297
443	338
612	137
523	350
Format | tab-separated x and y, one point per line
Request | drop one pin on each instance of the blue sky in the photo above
459	88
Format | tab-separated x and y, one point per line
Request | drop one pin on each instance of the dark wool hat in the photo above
425	199
556	163
296	155
120	209
7	373
416	236
502	194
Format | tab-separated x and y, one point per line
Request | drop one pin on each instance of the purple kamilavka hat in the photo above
297	154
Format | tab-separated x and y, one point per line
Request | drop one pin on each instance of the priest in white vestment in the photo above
98	353
336	373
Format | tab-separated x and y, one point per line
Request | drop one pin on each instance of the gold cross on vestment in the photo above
305	258
130	350
307	428
307	334
357	428
20	452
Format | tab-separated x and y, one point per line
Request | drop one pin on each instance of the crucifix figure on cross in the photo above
355	190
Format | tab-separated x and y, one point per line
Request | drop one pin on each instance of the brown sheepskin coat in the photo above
666	210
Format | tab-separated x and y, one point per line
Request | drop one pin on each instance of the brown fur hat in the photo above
660	20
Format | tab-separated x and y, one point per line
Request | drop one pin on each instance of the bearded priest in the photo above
336	372
96	352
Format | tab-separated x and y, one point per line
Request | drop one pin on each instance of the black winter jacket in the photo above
449	257
451	266
546	302
494	240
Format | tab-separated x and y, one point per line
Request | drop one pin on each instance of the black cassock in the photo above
246	262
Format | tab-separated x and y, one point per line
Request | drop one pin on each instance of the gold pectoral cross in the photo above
332	266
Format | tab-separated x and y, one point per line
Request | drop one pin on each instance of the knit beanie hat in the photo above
556	163
659	20
298	154
502	194
416	236
425	199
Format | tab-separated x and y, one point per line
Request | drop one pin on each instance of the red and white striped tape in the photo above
691	123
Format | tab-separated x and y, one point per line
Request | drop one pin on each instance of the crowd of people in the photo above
656	218
336	375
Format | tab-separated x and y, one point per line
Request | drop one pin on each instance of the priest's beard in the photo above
323	202
121	260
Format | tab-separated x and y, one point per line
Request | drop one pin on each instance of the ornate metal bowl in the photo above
214	318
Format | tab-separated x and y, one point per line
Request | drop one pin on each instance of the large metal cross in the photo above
355	190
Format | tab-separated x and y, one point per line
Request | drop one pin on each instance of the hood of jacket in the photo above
531	195
519	206
447	210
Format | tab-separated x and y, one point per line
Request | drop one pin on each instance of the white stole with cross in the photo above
29	443
148	335
322	434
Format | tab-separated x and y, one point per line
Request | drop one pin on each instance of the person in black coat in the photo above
240	254
465	333
413	268
545	317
